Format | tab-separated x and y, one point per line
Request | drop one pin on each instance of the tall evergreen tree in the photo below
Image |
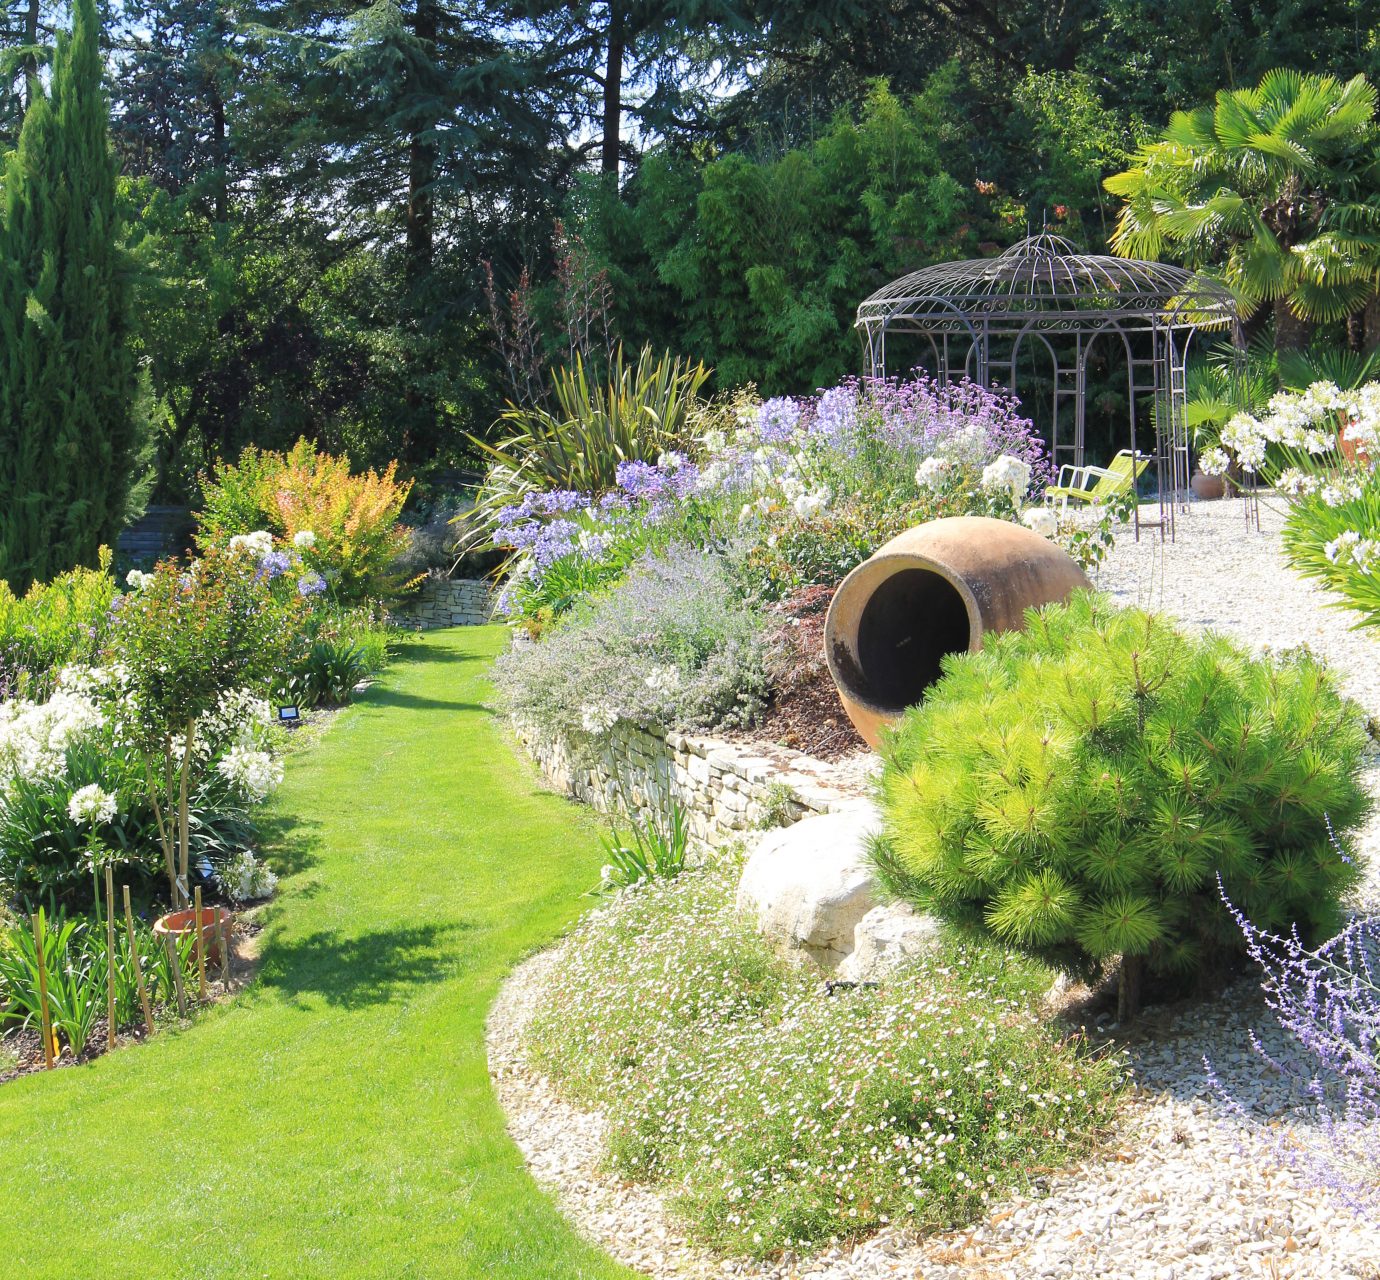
66	374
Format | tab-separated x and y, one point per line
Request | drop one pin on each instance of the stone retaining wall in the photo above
725	788
448	602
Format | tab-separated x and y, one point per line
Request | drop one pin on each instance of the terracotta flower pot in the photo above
1208	488
930	591
181	924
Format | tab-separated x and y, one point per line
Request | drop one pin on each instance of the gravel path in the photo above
1187	1190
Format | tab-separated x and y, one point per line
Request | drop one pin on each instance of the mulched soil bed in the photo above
805	713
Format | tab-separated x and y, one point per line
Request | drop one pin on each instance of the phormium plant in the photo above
1078	787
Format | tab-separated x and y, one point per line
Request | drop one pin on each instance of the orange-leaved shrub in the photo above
354	539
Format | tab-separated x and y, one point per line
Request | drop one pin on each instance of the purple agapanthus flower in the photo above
274	565
777	419
310	584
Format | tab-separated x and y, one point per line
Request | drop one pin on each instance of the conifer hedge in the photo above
67	385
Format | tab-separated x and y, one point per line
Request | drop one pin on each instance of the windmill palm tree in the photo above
1279	187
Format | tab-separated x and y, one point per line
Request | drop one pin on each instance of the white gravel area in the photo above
1186	1190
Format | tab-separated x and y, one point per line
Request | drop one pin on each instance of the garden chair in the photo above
1089	484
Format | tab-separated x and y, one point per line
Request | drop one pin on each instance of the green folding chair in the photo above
1096	484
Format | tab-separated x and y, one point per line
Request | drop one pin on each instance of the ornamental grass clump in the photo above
776	1116
1076	789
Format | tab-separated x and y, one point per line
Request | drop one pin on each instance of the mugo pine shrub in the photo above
1077	788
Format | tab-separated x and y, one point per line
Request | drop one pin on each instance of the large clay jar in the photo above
932	590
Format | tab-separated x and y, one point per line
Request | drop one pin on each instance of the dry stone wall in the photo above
725	788
448	602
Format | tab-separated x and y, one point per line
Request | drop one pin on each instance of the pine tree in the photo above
66	373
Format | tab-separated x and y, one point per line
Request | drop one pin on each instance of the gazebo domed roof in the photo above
1046	280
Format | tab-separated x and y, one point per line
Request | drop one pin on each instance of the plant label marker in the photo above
200	947
45	1021
138	967
109	958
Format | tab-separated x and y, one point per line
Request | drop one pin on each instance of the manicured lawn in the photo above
335	1120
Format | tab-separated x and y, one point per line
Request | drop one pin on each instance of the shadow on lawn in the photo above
353	972
290	841
414	650
380	697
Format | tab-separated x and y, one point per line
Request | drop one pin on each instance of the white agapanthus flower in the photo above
597	720
1214	462
1041	520
259	543
35	737
244	878
137	579
254	774
934	473
304	540
1341	544
91	805
809	505
1006	474
663	679
1295	483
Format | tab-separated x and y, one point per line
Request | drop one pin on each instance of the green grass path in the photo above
336	1119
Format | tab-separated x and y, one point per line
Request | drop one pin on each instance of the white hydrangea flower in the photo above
1006	474
254	774
809	505
933	473
304	540
91	804
259	543
1041	520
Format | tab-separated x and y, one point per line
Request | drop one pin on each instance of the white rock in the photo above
808	885
886	937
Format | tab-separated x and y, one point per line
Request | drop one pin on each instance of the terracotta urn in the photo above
935	589
1208	488
181	924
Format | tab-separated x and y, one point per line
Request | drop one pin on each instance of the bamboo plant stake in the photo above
138	967
45	1021
177	974
223	950
109	958
200	947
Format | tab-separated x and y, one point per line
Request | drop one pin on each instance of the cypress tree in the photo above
67	378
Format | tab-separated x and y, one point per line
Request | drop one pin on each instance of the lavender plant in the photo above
1327	999
674	644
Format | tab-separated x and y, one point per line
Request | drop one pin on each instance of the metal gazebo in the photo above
975	316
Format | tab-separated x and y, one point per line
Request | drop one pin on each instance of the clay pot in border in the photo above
935	589
181	924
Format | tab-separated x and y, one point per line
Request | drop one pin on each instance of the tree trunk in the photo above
222	210
613	94
421	164
1128	988
1291	333
30	59
1371	324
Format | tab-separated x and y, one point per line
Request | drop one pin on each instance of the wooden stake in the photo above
109	958
200	947
222	944
177	974
45	1021
138	967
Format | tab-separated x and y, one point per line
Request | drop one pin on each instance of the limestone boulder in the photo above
808	885
884	939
